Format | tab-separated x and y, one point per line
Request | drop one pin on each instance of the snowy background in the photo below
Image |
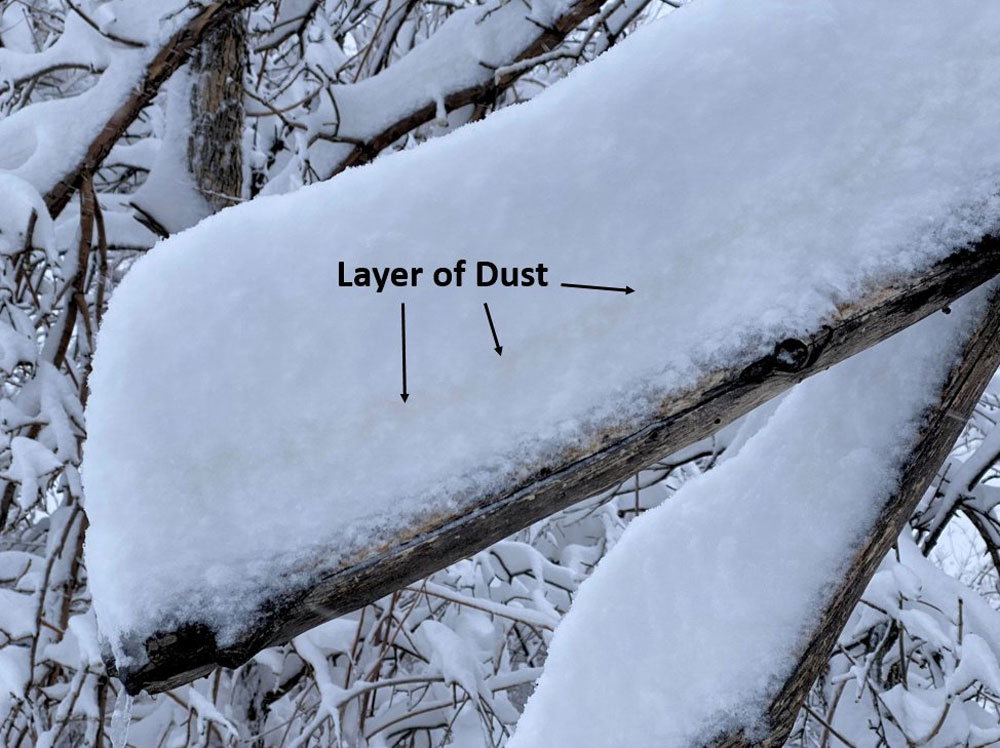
747	167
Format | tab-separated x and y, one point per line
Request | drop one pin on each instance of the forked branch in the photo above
945	420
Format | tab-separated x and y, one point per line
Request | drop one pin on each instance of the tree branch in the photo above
370	134
180	654
944	422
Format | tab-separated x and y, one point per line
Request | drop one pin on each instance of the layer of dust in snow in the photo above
696	616
743	165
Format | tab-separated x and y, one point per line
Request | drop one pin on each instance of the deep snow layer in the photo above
693	620
744	165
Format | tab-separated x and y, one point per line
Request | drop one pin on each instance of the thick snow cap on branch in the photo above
746	166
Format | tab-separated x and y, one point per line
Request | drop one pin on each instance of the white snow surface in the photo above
701	610
744	165
169	193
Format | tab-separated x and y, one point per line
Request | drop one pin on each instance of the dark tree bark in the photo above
215	153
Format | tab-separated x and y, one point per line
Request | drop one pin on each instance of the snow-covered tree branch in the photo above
428	541
645	391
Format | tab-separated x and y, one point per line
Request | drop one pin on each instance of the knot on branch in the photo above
791	355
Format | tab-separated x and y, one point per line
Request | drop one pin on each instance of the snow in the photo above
461	54
951	634
16	617
701	610
79	45
30	460
454	656
21	201
35	146
965	476
15	671
746	166
169	193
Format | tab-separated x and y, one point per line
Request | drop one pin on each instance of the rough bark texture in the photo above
961	392
175	656
173	54
215	153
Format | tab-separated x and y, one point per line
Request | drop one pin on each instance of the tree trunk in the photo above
214	149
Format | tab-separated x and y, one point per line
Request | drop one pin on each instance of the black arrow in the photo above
489	317
402	326
627	290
